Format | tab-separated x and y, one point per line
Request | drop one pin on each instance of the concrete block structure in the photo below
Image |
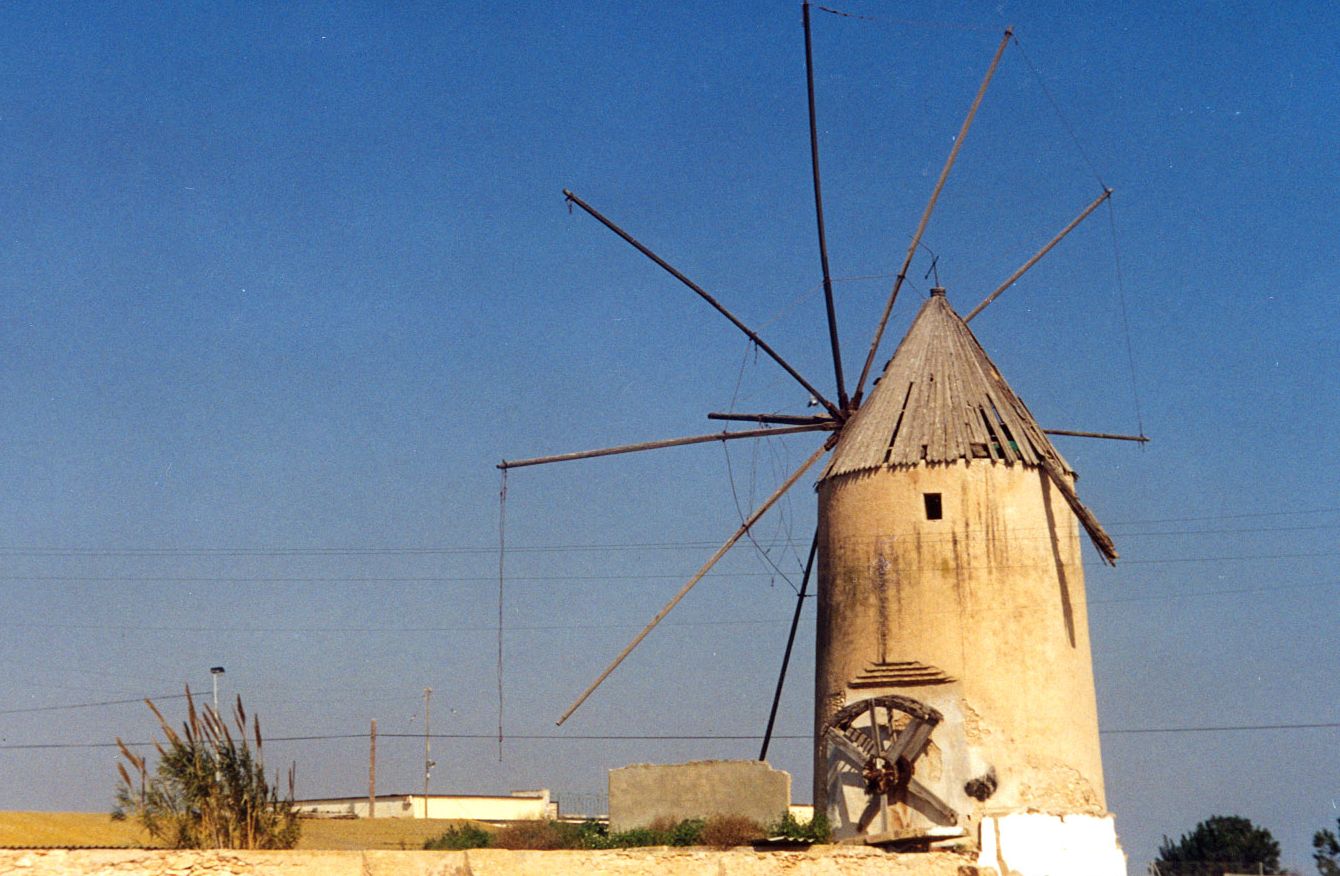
643	793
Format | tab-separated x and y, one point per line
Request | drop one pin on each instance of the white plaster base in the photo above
1036	844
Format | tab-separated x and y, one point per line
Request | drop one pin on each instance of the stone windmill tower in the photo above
953	687
953	673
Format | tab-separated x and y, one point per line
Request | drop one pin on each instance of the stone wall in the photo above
820	861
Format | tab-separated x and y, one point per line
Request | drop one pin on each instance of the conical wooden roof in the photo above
941	400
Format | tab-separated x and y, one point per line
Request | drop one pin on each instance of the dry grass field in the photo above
98	829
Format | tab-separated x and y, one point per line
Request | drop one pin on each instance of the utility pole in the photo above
214	673
372	771
427	748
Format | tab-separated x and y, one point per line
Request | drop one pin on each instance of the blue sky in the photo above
279	287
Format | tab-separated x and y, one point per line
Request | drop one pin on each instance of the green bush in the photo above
817	830
460	836
688	832
721	831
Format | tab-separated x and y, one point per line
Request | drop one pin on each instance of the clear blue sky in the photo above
278	286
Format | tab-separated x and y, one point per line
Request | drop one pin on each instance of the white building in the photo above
516	806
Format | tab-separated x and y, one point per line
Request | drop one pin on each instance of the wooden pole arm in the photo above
926	216
1107	193
782	419
1110	436
656	445
702	293
698	576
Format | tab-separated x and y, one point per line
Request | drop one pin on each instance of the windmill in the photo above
953	679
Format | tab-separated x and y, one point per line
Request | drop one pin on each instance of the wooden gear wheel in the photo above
875	739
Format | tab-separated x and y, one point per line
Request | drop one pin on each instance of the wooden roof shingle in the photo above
941	400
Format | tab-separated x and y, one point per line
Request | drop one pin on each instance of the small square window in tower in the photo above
934	510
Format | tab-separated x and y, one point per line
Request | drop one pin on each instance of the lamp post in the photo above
215	672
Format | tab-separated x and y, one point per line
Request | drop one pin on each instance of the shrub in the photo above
728	831
688	832
637	837
460	836
208	790
592	834
538	835
816	830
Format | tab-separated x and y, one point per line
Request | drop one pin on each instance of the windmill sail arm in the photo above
1101	540
1107	193
664	442
706	296
926	216
843	400
781	419
1110	436
698	576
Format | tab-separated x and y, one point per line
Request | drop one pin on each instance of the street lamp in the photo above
215	672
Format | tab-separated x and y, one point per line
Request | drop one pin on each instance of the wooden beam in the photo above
782	419
656	445
843	401
1107	193
1108	435
1101	540
698	576
790	642
926	216
702	293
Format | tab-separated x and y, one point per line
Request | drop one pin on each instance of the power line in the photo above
472	579
472	628
660	737
1223	728
201	552
89	705
475	628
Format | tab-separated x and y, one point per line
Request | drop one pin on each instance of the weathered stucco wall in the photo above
824	861
645	792
990	601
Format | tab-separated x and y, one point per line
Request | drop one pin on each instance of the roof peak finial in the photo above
938	291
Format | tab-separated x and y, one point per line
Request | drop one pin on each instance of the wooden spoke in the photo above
876	805
911	741
698	576
919	792
845	745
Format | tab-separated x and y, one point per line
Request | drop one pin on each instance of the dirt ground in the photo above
64	829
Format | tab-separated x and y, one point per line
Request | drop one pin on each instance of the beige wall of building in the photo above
988	601
517	806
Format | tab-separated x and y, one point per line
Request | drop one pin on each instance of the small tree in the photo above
1327	854
208	789
1218	844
